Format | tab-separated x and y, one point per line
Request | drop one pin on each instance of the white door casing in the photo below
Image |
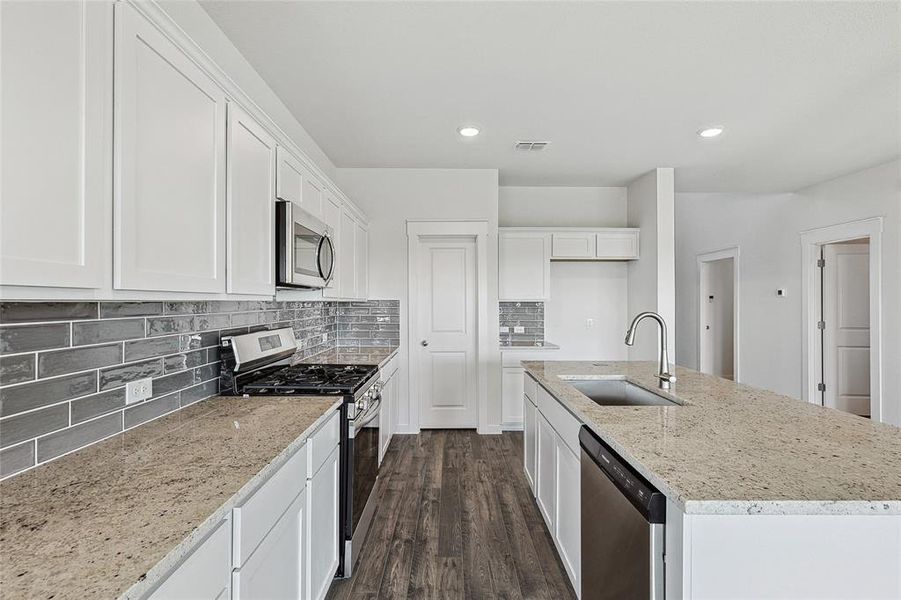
55	123
169	164
703	260
846	337
811	241
444	321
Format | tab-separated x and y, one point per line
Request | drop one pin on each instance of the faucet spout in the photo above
666	378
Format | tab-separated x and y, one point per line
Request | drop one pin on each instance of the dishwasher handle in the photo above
650	502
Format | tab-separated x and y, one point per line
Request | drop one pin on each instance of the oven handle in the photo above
367	417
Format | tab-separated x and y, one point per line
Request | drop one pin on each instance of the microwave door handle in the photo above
326	277
288	248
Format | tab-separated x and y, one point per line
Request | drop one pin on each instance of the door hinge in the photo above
821	324
821	262
821	387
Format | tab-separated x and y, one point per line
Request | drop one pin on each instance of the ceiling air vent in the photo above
531	146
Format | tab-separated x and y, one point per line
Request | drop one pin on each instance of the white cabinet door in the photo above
205	574
275	570
573	245
546	472
289	177
361	262
524	266
567	503
529	433
331	215
250	206
55	128
313	190
169	165
322	524
617	245
512	396
386	423
348	255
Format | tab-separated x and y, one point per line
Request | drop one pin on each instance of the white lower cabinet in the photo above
275	570
511	398
568	521
205	574
545	475
389	402
529	443
322	524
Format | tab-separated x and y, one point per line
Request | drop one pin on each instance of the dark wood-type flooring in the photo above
456	519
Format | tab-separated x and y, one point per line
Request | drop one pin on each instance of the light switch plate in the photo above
138	390
519	329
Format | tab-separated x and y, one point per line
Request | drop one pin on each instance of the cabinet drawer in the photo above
259	513
573	245
323	442
617	245
206	571
530	388
563	422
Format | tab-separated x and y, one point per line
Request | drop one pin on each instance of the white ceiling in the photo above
806	90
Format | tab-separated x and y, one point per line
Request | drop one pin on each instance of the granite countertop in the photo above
529	346
376	356
734	449
112	518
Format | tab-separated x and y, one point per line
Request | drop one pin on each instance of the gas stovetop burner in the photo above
310	379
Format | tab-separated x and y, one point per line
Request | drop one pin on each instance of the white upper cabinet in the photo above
297	184
617	245
250	206
347	255
361	262
525	266
169	165
55	132
573	245
331	215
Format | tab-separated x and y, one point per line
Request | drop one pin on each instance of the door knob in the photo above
424	342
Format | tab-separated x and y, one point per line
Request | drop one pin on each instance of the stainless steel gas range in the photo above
265	363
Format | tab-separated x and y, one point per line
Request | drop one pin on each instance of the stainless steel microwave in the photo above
304	251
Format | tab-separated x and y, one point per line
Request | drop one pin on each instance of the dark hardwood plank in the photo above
456	519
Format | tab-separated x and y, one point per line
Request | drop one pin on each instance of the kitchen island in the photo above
767	496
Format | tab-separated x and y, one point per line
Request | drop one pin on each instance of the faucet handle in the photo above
666	379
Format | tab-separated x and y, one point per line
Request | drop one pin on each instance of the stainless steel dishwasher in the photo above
623	520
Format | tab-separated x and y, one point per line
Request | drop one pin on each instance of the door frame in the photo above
733	252
477	230
811	241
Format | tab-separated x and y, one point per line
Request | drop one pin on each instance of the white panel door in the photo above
361	262
846	339
446	332
169	165
568	519
347	255
322	523
205	574
546	470
331	215
529	435
55	127
524	266
276	569
251	206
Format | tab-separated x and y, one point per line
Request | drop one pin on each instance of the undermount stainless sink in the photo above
618	392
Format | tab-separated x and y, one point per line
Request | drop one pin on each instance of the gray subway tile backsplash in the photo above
528	315
67	363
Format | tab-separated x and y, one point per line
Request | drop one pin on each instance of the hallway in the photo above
456	519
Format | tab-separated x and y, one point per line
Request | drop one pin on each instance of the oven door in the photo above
363	435
305	254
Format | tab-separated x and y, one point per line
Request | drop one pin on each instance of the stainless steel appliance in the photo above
623	521
264	363
305	255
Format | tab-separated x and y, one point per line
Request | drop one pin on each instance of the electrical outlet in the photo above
505	330
519	329
138	390
324	337
589	324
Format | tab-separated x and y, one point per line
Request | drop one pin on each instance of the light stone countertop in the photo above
734	449
528	346
375	355
111	519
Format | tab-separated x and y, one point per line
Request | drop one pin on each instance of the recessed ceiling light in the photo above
710	132
468	131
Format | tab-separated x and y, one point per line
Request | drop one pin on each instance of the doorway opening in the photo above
718	286
841	316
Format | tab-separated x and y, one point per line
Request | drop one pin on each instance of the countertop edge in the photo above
174	557
724	507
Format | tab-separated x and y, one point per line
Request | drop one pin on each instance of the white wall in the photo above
562	206
652	276
390	198
767	230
